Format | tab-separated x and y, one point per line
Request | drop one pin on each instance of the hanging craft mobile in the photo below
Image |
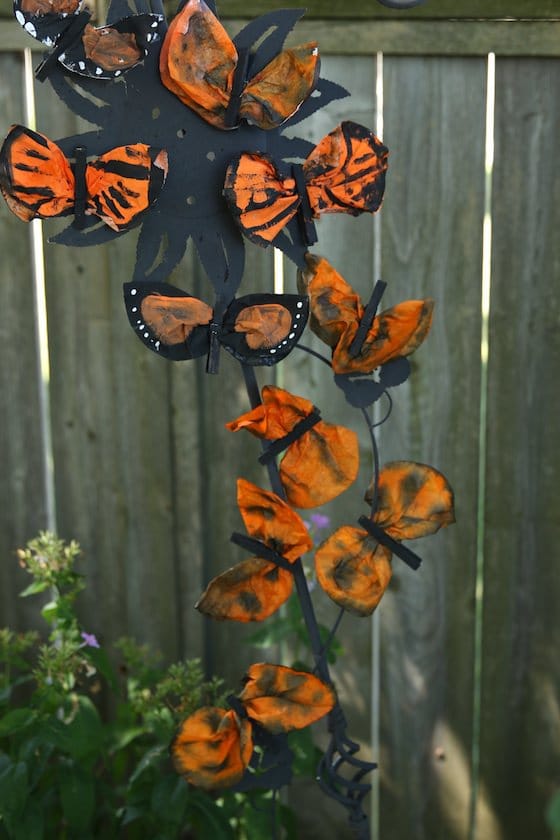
190	145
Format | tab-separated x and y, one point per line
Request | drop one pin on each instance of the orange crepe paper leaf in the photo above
250	591
336	312
281	699
38	182
212	748
198	61
345	173
414	500
319	465
271	520
353	569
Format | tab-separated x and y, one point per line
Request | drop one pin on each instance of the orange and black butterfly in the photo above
336	316
200	64
255	588
213	746
353	564
345	173
39	182
99	52
319	463
258	329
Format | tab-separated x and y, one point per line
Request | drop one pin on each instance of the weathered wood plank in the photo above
431	247
430	9
348	243
397	37
520	745
111	434
22	502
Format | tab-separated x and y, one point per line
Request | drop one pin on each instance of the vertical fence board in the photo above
111	433
432	232
347	242
22	503
520	733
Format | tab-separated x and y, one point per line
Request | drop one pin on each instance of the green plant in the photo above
66	771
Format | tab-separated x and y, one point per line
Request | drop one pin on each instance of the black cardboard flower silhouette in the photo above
138	108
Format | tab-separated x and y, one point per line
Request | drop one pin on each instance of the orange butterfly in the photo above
200	64
255	588
39	182
336	314
345	173
214	746
320	463
353	565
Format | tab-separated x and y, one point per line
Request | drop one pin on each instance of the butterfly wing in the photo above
36	179
198	60
263	329
282	699
212	748
105	52
271	520
261	201
345	173
123	183
252	590
353	569
45	20
275	94
168	320
414	500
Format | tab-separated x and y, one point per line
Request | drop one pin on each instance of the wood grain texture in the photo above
22	502
430	9
395	37
520	733
431	247
111	434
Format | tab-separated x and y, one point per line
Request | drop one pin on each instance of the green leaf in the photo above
306	754
14	791
16	720
83	737
77	795
169	800
206	818
50	611
34	588
553	812
150	758
273	632
99	659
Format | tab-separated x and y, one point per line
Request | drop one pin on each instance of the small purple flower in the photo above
320	520
90	640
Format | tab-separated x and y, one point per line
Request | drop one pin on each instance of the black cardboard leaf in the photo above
281	22
360	392
273	758
394	372
328	92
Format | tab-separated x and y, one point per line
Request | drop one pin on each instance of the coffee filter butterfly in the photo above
202	66
258	329
38	181
353	564
320	460
103	52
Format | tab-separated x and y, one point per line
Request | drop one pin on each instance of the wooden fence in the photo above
455	685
